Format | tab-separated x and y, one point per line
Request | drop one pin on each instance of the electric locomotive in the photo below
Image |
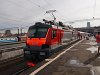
44	38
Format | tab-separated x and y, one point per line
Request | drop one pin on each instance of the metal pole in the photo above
18	31
21	31
53	16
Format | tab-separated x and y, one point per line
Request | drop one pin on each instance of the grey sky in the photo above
15	13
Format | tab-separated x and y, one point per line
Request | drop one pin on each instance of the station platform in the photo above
80	59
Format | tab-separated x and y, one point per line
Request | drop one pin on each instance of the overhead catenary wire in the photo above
36	4
9	19
19	20
18	5
31	10
91	19
94	8
13	28
60	16
4	16
81	20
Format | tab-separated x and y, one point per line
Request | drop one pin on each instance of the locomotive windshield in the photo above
37	32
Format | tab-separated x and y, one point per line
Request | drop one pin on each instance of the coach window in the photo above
53	33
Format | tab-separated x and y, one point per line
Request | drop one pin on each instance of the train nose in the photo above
36	41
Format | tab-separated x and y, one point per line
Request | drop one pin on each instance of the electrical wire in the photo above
61	17
9	19
36	4
18	5
94	9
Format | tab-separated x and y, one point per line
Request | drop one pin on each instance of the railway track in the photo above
3	44
6	62
9	53
16	73
11	59
11	67
11	45
11	50
17	66
38	64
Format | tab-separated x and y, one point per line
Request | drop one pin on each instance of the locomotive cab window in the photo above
42	32
37	32
53	34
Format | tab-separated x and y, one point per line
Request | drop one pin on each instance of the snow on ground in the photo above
93	49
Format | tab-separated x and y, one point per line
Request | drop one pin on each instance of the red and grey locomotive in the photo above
44	38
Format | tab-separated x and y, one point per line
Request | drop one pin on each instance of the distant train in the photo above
12	39
8	39
43	39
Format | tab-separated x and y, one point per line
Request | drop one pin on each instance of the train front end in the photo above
36	44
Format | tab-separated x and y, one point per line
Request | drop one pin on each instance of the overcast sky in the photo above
20	13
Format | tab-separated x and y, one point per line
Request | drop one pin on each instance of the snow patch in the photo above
92	49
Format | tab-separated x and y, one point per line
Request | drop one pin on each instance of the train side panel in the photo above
54	38
67	36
